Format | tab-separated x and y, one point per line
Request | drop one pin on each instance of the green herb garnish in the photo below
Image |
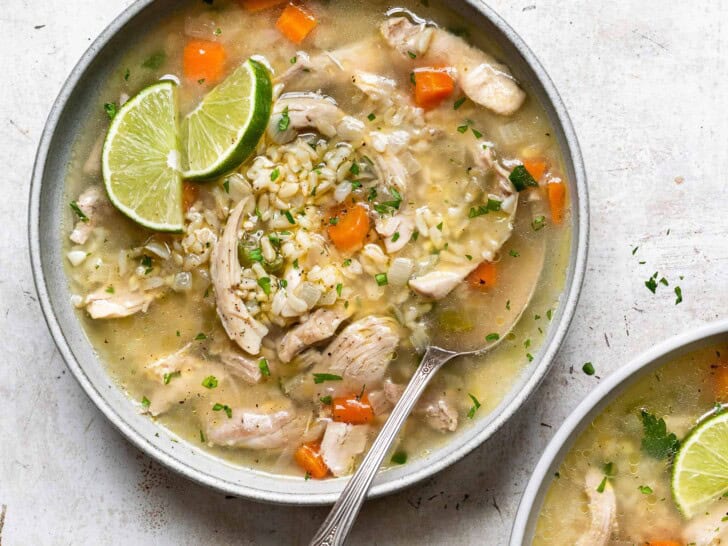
381	279
75	208
210	382
474	408
155	61
223	407
319	378
522	179
263	365
168	376
588	368
656	440
400	457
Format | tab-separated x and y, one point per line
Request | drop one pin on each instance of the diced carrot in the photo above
663	543
308	457
484	276
536	167
260	5
432	87
295	23
189	194
204	60
557	201
348	226
352	410
720	386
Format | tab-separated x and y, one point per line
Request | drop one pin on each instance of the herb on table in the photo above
399	458
651	284
678	294
169	376
634	250
522	179
588	368
474	408
285	121
155	61
263	365
210	382
645	489
223	407
656	440
75	208
319	378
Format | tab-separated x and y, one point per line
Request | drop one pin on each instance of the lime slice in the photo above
140	160
226	126
700	470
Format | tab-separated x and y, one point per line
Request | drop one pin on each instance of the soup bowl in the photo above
607	392
79	97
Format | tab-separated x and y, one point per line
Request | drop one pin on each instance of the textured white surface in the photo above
645	82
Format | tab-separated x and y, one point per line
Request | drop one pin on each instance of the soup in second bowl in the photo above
652	468
350	183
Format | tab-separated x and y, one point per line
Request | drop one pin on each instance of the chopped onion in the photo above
400	271
182	281
160	249
152	283
310	293
329	298
76	257
342	192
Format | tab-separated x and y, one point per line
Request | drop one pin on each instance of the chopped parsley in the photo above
372	194
462	128
439	226
522	179
210	382
415	235
412	55
200	337
678	294
400	457
168	376
202	437
223	407
645	489
339	288
634	250
381	279
529	356
513	253
371	117
218	31
155	61
490	338
651	284
538	223
294	60
494	204
226	185
326	400
588	368
657	442
479	211
355	185
319	378
146	262
127	73
289	217
602	485
110	109
347	262
395	236
354	169
75	208
295	263
458	103
145	402
263	365
333	221
285	121
264	283
110	289
275	173
476	133
474	408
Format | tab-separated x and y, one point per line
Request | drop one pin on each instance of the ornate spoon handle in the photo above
338	523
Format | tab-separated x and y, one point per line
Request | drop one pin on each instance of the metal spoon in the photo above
335	529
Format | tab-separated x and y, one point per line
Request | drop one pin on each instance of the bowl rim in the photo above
569	298
606	392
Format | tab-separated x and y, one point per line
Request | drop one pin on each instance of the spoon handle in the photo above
338	523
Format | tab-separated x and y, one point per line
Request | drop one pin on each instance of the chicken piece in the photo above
440	414
392	171
342	444
226	273
709	528
484	80
320	325
117	304
362	351
256	429
296	111
241	365
178	376
437	284
94	204
602	509
402	224
376	87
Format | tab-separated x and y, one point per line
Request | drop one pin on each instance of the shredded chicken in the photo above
402	224
226	273
709	528
482	78
117	302
362	351
94	204
341	445
603	511
256	429
320	325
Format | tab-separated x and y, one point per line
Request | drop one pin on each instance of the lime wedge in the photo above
700	470
226	126
140	160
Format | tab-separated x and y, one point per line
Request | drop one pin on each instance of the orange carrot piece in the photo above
348	227
189	194
204	60
432	87
484	276
536	167
352	410
295	23
557	201
663	543
720	384
259	5
308	457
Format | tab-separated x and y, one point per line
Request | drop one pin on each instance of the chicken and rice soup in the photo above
652	468
269	303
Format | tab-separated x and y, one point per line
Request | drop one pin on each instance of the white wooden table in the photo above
646	84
